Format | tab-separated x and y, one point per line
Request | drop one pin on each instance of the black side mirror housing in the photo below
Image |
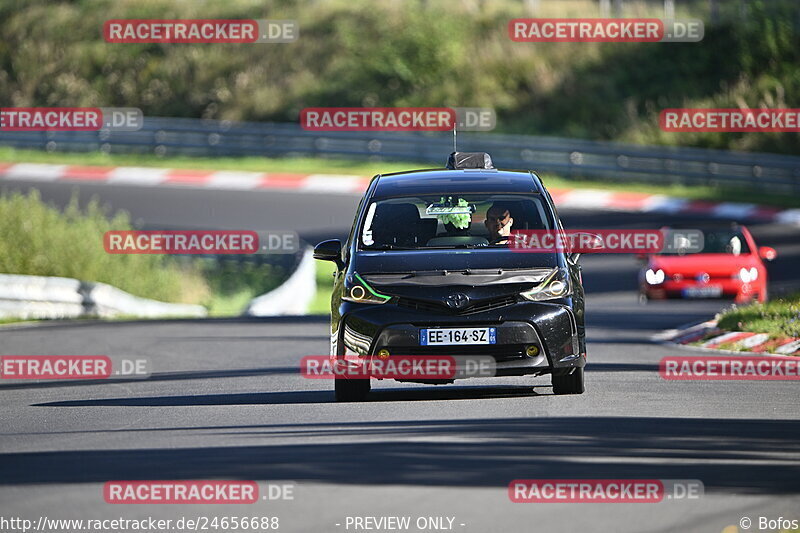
329	251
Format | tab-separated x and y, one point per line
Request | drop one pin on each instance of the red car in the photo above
730	265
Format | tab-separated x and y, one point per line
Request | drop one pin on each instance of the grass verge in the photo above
778	318
299	165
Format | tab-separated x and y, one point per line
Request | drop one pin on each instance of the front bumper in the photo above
729	288
366	329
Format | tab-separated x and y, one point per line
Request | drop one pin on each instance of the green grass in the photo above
221	305
779	318
306	165
299	165
321	304
40	240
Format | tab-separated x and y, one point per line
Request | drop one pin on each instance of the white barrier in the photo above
293	297
39	297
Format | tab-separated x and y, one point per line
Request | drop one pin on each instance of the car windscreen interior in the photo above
451	221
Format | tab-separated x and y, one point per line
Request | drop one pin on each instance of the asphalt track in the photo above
226	402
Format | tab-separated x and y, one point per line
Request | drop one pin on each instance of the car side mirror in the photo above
767	253
587	242
329	251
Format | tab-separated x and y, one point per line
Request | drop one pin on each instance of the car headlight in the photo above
654	277
357	290
747	275
556	285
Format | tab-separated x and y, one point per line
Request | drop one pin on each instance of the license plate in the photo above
711	291
457	336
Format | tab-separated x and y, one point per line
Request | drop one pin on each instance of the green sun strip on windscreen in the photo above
366	286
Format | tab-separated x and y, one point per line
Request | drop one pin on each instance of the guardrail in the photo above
571	158
38	297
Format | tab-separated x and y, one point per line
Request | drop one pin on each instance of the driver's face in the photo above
498	222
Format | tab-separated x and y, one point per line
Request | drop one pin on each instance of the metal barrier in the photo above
570	158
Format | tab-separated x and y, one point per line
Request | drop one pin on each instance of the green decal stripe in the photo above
366	286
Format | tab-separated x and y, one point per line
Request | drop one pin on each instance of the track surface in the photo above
226	402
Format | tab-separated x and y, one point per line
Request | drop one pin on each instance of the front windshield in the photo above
451	221
730	242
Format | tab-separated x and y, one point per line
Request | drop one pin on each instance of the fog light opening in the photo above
383	354
532	350
357	292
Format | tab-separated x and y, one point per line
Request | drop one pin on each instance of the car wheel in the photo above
569	383
351	390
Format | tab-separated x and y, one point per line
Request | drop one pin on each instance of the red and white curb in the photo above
183	178
348	184
711	337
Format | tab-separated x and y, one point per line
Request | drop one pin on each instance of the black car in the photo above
427	270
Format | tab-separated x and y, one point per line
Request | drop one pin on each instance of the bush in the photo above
423	52
39	240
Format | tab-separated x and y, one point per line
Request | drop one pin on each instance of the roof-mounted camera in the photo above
465	160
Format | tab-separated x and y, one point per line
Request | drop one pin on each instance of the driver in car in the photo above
498	222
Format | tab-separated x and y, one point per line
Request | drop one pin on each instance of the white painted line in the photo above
790	216
722	338
586	199
141	176
667	334
686	330
234	180
734	210
332	183
665	204
755	340
34	171
653	201
788	348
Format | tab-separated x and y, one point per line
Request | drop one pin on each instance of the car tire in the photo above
351	390
569	383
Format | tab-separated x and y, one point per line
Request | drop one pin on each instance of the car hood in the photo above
434	275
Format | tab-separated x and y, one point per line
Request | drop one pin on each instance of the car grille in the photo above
486	305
